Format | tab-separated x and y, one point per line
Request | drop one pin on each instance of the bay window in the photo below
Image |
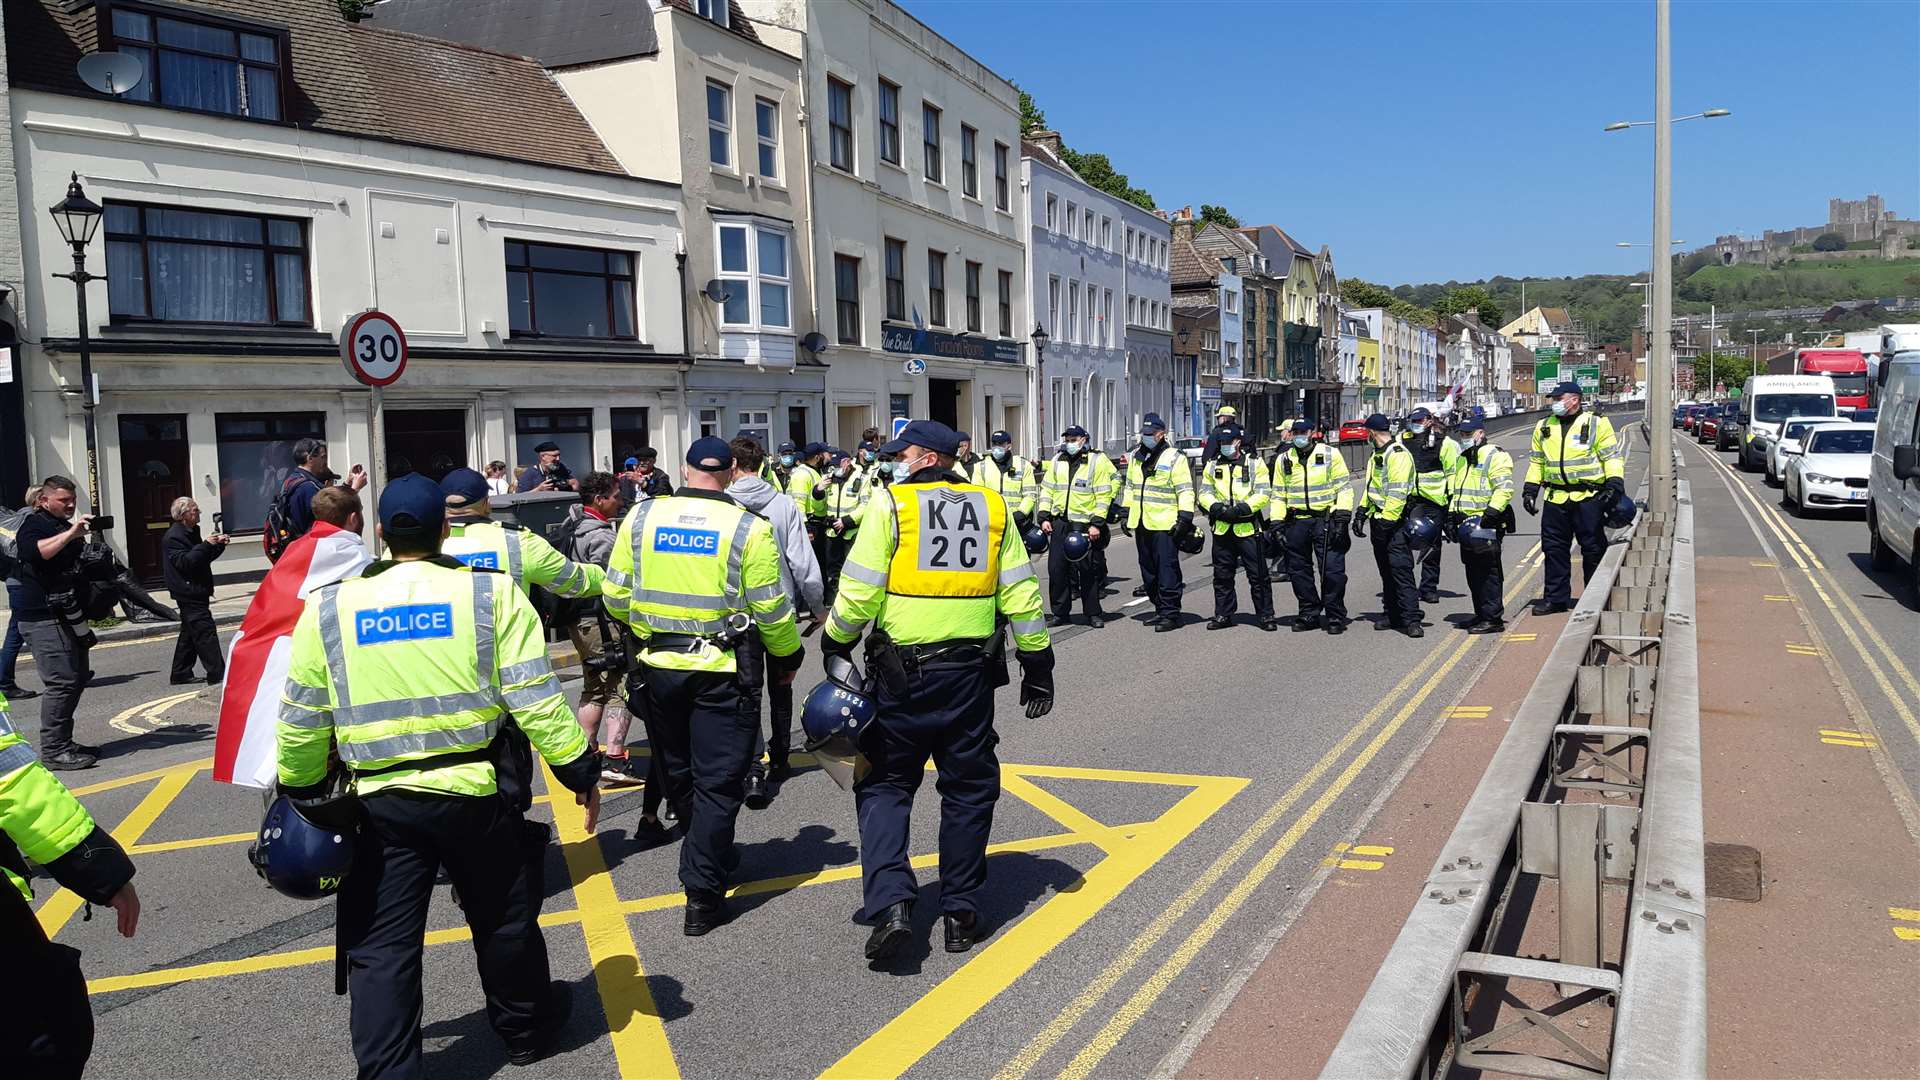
755	264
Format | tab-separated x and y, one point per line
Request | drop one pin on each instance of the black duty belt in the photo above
683	642
1296	512
968	651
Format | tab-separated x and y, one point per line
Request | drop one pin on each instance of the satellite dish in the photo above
112	73
814	342
717	291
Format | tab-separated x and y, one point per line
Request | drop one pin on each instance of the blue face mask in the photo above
786	459
999	453
1075	447
901	472
1148	442
1230	451
1302	441
1559	406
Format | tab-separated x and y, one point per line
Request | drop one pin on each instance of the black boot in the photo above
963	930
705	911
890	931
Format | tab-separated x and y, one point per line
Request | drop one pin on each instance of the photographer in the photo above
308	477
188	568
52	619
643	478
551	474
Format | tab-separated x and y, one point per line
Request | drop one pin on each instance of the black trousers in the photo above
199	639
1429	560
701	725
1487	583
1394	559
752	659
1232	552
487	851
833	556
1159	569
48	1032
1561	524
61	656
946	715
1067	579
1306	545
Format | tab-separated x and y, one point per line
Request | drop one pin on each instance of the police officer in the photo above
966	459
689	573
1011	475
1158	497
1075	495
1480	492
1313	503
383	674
778	469
1233	491
846	501
937	564
807	487
1575	457
1434	456
475	539
1389	486
48	1030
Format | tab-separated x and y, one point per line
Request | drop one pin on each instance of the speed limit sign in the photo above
374	348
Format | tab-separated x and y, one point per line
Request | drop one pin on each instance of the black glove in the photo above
1036	681
1239	511
1340	536
1185	519
832	646
1360	524
1455	519
1615	485
1043	517
846	525
1530	498
1115	514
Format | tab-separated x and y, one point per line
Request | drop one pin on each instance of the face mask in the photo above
999	453
1075	447
1230	451
1559	407
1302	441
901	471
787	460
1148	442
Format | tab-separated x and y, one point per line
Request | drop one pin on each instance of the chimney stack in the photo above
1048	139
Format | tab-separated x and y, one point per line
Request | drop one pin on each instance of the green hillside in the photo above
1801	284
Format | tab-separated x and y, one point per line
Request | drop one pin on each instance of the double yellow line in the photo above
1853	623
1426	676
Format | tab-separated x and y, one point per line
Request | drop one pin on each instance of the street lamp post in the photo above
1041	339
78	218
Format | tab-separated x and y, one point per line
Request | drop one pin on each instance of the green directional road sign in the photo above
1546	366
1588	376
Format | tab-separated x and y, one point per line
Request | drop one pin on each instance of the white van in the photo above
1893	484
1766	401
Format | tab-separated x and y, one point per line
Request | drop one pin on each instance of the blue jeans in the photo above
10	652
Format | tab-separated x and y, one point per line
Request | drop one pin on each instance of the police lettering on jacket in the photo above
405	622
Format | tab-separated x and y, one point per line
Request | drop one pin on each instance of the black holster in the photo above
996	660
513	766
885	663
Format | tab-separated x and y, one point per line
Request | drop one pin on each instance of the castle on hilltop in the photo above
1858	220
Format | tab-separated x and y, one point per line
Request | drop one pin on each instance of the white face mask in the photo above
1230	451
1559	406
999	453
1075	447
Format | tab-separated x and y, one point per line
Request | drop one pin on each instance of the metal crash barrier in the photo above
1597	780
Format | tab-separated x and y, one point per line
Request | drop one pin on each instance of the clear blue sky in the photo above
1440	140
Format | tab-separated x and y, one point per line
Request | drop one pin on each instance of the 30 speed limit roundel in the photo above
374	348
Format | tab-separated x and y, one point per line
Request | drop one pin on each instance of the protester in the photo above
187	565
596	638
53	619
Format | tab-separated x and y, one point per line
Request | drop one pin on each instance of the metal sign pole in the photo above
377	468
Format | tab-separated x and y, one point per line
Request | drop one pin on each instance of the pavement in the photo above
1168	823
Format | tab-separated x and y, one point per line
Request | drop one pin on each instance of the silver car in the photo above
1791	443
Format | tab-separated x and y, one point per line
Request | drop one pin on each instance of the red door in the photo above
154	471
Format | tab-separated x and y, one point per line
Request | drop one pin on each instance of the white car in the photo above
1191	448
1832	471
1786	446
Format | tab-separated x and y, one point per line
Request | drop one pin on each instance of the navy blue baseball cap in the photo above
929	434
1074	432
813	448
462	487
1379	422
1418	415
1230	433
1301	427
1471	424
1151	423
963	436
1565	388
413	506
710	454
788	448
1000	438
547	447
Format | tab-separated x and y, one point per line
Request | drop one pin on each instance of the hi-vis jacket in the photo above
847	498
1242	479
800	484
44	822
1078	487
1390	479
1014	479
1573	458
1158	488
937	562
1314	482
413	661
1481	481
522	555
1433	458
682	564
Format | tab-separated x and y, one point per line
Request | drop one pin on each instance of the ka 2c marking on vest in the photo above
407	622
674	541
488	559
953	530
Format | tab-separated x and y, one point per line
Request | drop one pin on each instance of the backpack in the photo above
280	529
10	522
560	612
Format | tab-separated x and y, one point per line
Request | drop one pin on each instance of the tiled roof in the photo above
1556	317
558	33
1187	265
356	79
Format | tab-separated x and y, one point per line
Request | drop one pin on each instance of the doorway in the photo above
850	421
431	442
154	471
943	401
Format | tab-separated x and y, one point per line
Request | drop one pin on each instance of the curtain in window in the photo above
198	82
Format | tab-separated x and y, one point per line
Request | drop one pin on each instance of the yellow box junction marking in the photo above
1522	637
639	1037
1343	856
1778	599
1843	737
1799	648
1469	712
1764	565
1905	914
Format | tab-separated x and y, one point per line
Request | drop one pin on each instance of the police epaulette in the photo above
514	525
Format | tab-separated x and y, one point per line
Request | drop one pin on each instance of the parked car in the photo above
1191	448
1708	424
1351	431
1893	489
1790	442
1832	471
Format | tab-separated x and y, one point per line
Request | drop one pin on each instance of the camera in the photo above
219	522
100	523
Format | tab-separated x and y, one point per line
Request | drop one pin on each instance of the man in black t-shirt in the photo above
52	620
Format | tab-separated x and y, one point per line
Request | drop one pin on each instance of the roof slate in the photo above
1188	265
355	79
558	33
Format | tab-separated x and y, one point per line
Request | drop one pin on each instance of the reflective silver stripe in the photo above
639	538
736	555
6	722
513	554
302	694
780	611
1018	572
295	716
570	583
1028	626
764	592
835	622
526	697
394	746
665	625
618	577
336	649
521	672
483	629
685	600
374	712
17	756
864	575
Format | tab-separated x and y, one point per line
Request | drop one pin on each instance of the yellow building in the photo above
1369	354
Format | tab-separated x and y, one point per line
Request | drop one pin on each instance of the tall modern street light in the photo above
78	218
1660	336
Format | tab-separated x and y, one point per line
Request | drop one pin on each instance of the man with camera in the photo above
551	474
188	570
53	617
310	474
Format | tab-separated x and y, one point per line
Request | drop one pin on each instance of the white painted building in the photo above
917	219
308	176
1151	376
